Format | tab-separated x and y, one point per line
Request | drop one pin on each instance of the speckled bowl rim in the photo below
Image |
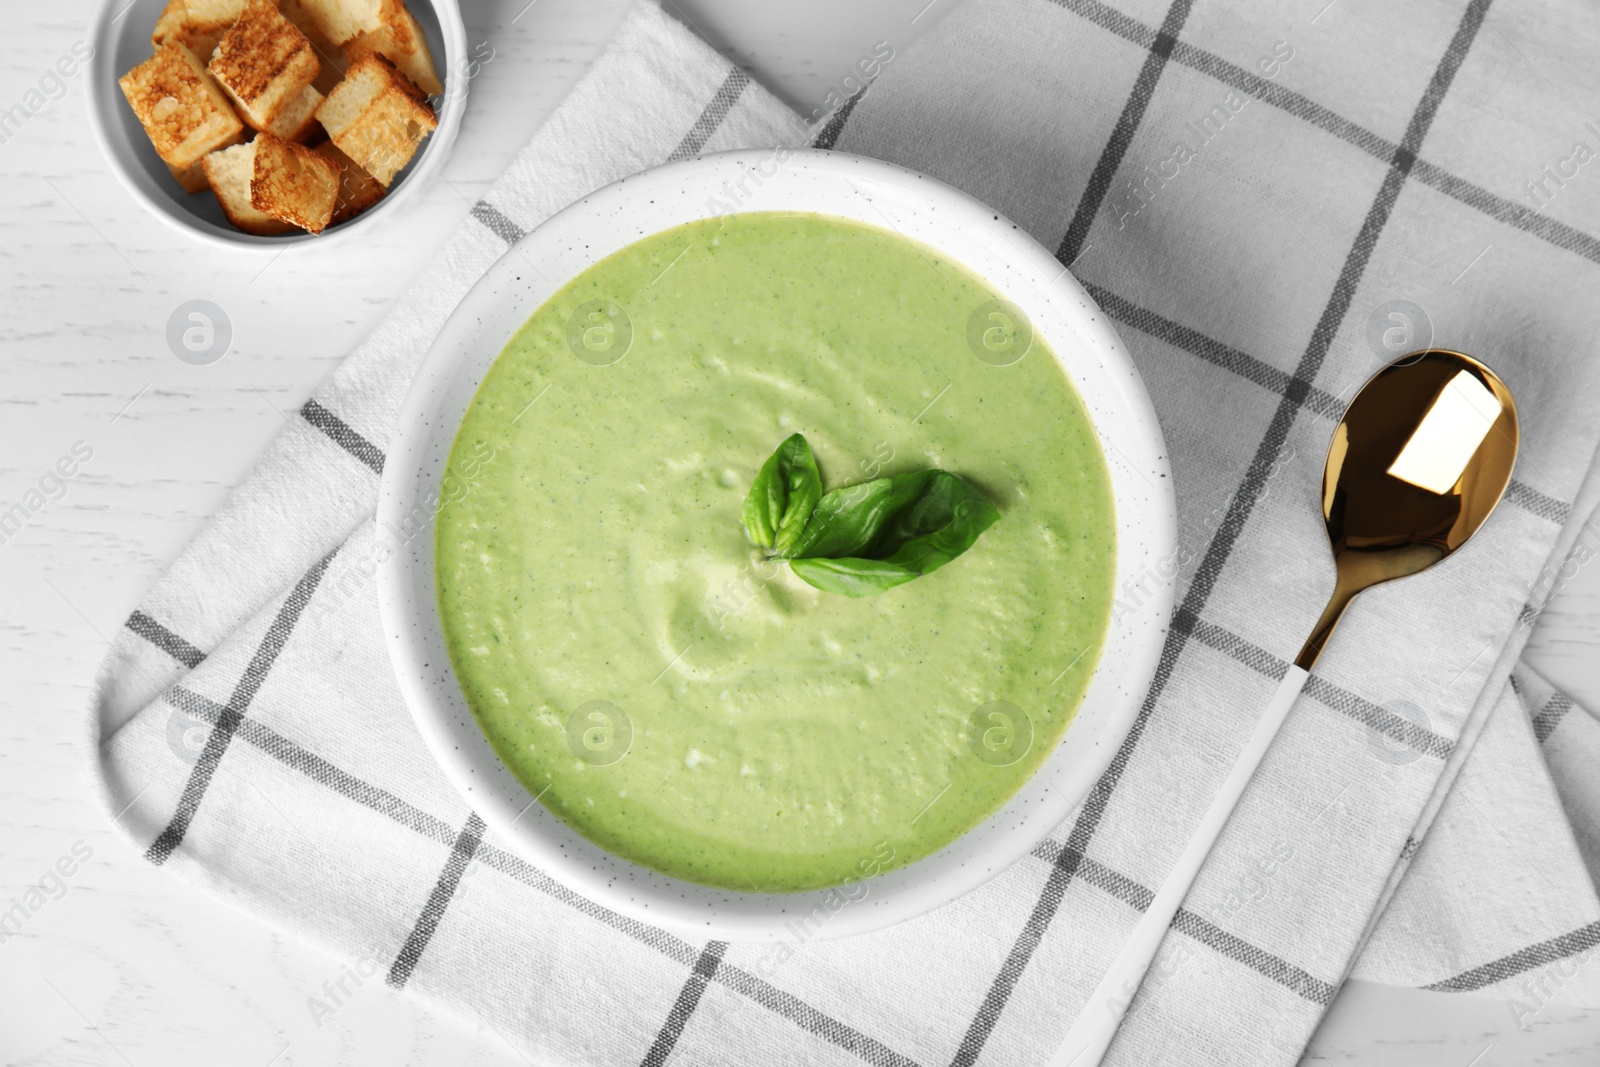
879	194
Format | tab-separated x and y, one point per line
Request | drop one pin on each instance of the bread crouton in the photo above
196	24
341	20
298	121
358	190
377	117
400	41
229	172
293	183
333	61
180	106
263	62
193	177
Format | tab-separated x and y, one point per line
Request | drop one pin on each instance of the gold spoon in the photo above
1422	456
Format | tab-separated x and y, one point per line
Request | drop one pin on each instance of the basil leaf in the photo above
781	499
846	520
880	534
852	576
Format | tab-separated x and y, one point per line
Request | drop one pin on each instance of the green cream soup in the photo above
659	684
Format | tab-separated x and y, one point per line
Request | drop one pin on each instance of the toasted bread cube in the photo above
263	62
229	172
377	117
293	183
298	121
192	177
180	106
341	20
333	61
196	24
358	190
400	41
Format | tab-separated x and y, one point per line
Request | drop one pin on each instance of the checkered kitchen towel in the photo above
1269	200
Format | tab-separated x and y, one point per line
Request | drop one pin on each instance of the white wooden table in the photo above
132	966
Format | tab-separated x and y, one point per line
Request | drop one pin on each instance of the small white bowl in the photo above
120	36
835	184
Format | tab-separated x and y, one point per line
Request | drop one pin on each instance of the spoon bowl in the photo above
1421	457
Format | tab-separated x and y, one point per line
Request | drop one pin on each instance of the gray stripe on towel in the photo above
165	639
717	110
1137	897
1526	959
255	672
496	222
341	434
1550	716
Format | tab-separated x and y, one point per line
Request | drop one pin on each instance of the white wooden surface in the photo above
132	966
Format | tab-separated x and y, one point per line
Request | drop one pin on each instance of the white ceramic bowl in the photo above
616	216
120	36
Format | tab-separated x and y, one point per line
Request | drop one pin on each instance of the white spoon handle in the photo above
1091	1035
